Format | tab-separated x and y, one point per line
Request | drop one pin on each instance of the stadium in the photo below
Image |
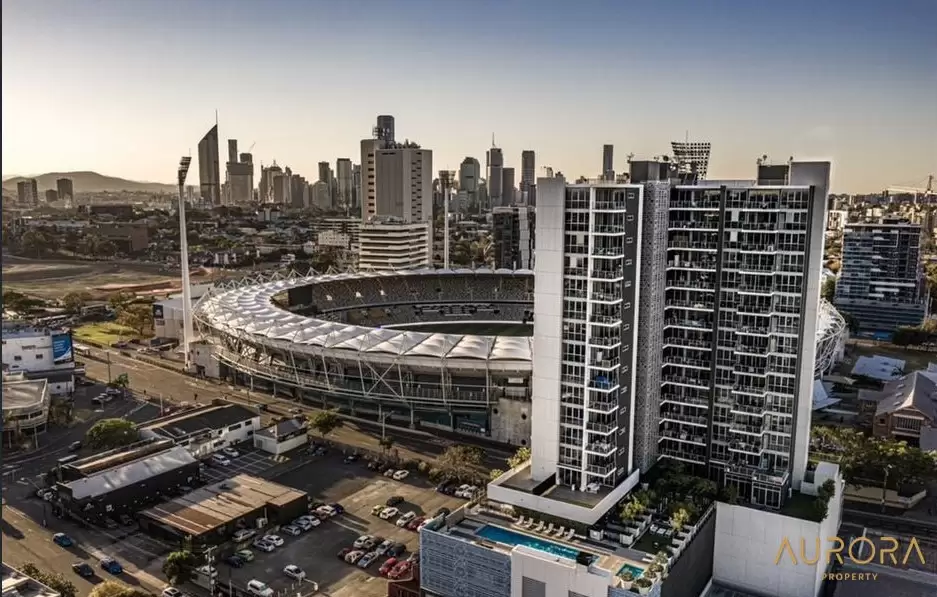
439	348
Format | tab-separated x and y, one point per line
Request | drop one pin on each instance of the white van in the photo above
255	587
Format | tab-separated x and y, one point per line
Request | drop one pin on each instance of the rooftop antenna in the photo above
687	137
493	140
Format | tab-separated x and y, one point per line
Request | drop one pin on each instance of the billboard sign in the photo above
62	349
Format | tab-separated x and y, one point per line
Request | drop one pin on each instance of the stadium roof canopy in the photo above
249	309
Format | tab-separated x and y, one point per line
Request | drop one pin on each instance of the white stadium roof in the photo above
249	309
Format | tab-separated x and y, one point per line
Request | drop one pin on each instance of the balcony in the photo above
748	428
687	362
601	470
574	293
684	399
750	388
608	251
686	454
601	448
699	305
610	229
696	382
687	322
607	298
606	341
755	330
694	224
608	274
690	283
693	245
603	384
606	364
576	271
610	205
698	439
682	418
684	342
764	289
602	428
572	399
749	447
748	409
603	403
705	203
605	320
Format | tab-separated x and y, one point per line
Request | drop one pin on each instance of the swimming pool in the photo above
634	570
502	535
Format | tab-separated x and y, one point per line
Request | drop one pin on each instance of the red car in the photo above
400	570
415	523
388	565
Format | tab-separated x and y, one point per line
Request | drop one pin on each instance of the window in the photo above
39	356
17	358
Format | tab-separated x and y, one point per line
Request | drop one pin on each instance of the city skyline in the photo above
142	88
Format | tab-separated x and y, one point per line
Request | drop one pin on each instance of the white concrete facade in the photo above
561	577
389	246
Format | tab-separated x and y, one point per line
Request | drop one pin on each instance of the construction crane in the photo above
927	191
251	148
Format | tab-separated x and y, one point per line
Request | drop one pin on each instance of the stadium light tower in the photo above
187	328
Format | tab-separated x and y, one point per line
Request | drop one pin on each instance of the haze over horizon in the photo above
125	88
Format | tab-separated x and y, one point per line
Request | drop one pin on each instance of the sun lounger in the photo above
560	532
520	521
549	529
529	523
570	534
539	527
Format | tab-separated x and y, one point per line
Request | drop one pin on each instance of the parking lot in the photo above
249	462
328	479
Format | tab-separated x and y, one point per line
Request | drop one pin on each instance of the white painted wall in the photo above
270	445
560	575
747	543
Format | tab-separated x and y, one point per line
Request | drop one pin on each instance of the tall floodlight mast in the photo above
187	328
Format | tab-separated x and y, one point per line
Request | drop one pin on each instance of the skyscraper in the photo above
469	174
528	177
343	183
495	182
209	173
232	151
65	189
356	186
512	234
608	163
692	158
507	187
27	192
404	175
368	194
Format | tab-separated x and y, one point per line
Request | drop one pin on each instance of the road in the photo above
176	387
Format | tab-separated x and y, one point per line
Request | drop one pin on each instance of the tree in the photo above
138	317
54	581
74	301
520	457
821	505
494	474
35	243
112	433
828	290
325	422
460	462
19	302
386	443
631	510
120	300
178	566
110	588
679	519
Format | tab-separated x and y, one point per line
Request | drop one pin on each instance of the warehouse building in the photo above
124	480
205	429
282	437
212	514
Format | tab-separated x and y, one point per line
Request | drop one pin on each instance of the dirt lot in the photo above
53	279
358	490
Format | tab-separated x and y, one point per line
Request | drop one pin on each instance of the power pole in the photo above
108	353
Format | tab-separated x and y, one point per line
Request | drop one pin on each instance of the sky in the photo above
125	87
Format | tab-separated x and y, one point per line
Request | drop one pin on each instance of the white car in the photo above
171	592
466	493
274	540
291	530
219	459
311	520
209	571
264	546
231	453
383	547
301	523
389	513
255	587
353	557
327	511
367	560
360	541
243	535
401	475
406	518
294	572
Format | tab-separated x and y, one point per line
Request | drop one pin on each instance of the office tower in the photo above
528	177
52	196
344	177
742	299
469	174
27	192
65	189
299	191
209	174
356	186
692	158
385	129
507	187
325	175
404	190
319	196
495	181
239	175
608	163
881	282
512	234
232	151
247	158
585	336
368	194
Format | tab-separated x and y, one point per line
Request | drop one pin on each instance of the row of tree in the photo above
867	460
66	588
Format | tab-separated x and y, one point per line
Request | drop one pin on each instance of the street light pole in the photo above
108	353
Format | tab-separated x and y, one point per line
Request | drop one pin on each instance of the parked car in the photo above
263	545
111	566
425	523
110	524
326	511
387	566
352	458
394	500
389	513
360	541
274	540
311	520
231	453
354	556
302	524
62	540
367	560
442	512
414	557
373	542
245	554
234	561
243	535
219	459
171	592
376	510
83	569
126	520
74	446
404	520
401	475
383	547
291	530
389	472
294	572
339	509
397	549
255	587
415	523
400	570
343	552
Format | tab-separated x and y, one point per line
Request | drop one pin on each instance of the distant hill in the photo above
90	182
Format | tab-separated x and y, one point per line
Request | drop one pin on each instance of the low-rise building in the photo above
128	238
906	408
205	429
283	436
389	245
18	584
25	408
40	353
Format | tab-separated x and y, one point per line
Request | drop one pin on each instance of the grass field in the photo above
104	333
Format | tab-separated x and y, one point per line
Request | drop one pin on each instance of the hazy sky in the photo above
124	87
